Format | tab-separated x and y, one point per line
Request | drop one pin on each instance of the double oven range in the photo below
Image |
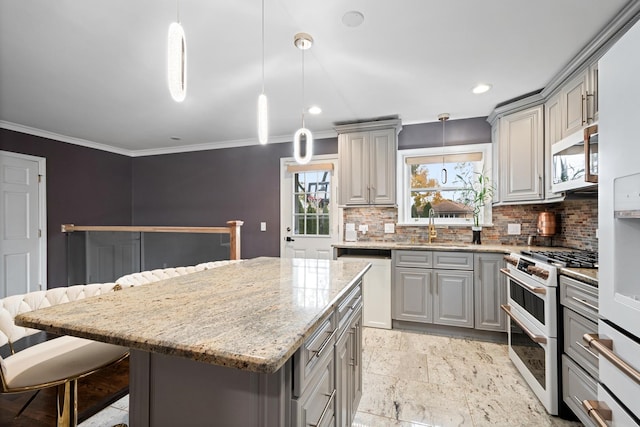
532	308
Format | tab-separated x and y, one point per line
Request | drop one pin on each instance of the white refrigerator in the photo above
618	342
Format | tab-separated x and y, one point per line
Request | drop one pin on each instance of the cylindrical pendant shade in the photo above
263	119
177	62
308	146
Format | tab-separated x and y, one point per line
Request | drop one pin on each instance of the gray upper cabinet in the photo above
490	292
552	134
579	100
573	100
367	153
521	151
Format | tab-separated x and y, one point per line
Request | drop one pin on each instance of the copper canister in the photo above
546	224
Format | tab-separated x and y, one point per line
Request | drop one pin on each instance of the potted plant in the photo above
477	191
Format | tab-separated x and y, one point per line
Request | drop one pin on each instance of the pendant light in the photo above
303	41
177	60
443	174
263	116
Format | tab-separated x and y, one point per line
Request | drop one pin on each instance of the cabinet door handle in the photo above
324	344
582	108
540	185
585	303
605	348
325	410
597	412
592	96
588	350
480	269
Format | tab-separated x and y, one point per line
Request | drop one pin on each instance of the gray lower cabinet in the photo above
440	295
490	289
453	299
412	297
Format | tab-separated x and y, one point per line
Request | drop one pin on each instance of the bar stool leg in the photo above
67	404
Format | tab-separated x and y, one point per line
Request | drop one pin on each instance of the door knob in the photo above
289	239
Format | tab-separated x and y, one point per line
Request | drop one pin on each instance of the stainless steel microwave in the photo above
574	161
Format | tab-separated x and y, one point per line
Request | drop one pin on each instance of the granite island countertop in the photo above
251	315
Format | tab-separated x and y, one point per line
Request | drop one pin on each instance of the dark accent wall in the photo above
84	187
208	188
457	132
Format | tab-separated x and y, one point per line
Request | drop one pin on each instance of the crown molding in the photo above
63	138
153	151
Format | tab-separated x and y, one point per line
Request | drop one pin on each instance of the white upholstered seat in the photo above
57	362
151	276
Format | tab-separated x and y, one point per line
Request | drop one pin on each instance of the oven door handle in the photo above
534	289
537	338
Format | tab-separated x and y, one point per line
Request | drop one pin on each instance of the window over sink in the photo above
423	185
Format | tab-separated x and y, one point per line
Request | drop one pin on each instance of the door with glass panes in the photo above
309	217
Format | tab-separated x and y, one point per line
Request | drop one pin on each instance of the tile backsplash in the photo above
577	221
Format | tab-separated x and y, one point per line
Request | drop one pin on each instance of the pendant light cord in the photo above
302	87
178	11
263	46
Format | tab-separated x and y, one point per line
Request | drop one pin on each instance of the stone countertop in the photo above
251	315
587	275
443	246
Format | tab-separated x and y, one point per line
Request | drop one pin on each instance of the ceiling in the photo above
94	72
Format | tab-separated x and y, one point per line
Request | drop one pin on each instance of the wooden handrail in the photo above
233	230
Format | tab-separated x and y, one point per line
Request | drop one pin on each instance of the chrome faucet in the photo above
432	227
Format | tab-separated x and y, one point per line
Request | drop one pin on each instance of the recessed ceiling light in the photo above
175	138
353	18
314	109
481	88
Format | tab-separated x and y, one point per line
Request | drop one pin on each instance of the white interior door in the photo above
22	225
310	220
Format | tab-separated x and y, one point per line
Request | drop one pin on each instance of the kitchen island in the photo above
246	344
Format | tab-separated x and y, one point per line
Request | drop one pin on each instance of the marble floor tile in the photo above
381	338
399	364
106	418
432	404
378	395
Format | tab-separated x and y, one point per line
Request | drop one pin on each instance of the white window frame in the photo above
404	180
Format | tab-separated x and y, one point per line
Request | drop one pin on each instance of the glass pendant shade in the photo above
263	119
308	152
177	62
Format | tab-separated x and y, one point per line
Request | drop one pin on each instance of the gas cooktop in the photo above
575	259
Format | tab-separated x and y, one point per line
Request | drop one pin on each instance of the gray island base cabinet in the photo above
267	342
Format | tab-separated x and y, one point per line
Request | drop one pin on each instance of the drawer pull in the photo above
537	338
605	348
588	350
585	303
597	412
324	344
534	289
326	409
